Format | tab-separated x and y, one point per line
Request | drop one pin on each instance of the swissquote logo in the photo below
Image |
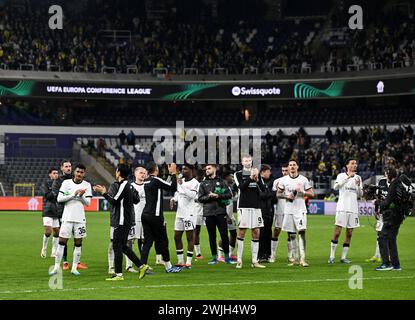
244	91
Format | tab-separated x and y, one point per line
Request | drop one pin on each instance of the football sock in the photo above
59	255
274	247
55	243
110	256
377	252
345	250
189	257
76	257
240	248
180	256
197	249
45	242
302	248
333	247
254	250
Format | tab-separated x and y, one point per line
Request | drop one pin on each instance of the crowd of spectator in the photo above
175	43
375	148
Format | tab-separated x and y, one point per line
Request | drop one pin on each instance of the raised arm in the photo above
115	195
170	184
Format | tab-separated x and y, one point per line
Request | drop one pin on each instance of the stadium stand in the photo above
208	44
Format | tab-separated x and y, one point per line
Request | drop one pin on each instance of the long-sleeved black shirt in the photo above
249	190
49	203
122	196
267	200
153	188
55	190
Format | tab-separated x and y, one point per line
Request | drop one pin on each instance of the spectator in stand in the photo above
122	136
131	138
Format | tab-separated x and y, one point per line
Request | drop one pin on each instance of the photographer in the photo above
379	192
394	208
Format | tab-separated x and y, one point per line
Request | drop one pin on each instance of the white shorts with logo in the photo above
250	218
51	222
131	234
200	220
138	230
379	224
347	220
75	229
278	219
294	222
185	224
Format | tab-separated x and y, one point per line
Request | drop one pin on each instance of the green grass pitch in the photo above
24	275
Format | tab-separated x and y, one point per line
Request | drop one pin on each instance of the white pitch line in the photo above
202	285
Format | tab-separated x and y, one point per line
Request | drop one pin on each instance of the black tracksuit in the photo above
268	198
152	217
122	196
56	185
49	203
214	210
392	219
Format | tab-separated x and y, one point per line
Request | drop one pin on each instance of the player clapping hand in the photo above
100	189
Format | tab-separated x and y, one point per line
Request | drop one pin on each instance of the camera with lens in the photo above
370	192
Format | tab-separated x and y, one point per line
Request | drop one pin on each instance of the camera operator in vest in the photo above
393	209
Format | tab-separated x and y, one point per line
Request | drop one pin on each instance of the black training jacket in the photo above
49	203
55	190
122	196
153	188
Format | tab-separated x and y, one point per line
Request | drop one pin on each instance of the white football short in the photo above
294	222
75	229
131	234
379	224
347	220
138	230
185	224
278	219
250	218
51	222
200	220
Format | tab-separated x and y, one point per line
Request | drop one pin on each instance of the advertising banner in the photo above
33	204
211	90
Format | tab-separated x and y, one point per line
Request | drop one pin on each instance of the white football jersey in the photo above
281	202
139	207
349	191
186	196
74	205
289	185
